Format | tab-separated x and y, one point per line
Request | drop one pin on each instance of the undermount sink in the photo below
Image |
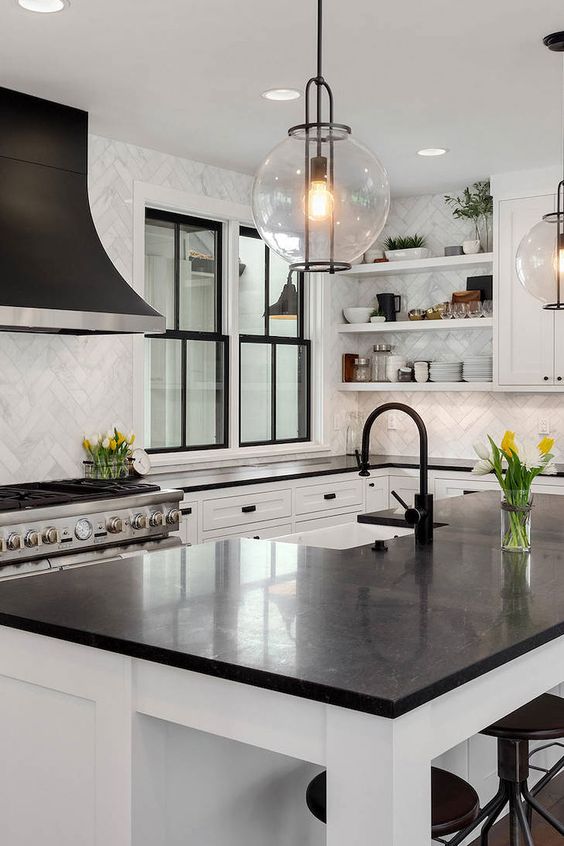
345	536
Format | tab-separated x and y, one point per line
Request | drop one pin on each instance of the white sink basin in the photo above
345	536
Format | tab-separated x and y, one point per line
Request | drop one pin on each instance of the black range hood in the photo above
55	275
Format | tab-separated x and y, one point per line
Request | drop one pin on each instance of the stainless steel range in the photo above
49	525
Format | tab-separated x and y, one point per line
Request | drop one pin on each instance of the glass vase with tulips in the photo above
516	464
108	454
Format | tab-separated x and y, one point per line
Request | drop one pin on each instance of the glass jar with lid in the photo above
380	358
362	369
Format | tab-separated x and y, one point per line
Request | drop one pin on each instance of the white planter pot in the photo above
403	255
471	247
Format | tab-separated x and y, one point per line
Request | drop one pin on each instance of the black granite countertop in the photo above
375	632
277	471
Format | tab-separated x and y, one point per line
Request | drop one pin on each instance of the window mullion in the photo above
273	392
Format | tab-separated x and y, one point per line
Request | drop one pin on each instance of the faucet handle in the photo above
412	514
400	500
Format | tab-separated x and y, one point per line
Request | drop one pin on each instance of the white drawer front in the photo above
324	522
259	532
248	508
329	496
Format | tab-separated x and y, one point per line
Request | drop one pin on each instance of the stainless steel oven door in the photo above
114	553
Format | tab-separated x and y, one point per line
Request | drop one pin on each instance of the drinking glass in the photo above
487	308
446	311
474	309
460	310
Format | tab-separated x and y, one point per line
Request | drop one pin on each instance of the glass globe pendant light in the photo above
320	198
540	257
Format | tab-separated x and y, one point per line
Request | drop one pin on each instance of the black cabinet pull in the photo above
370	484
559	378
186	511
256	537
247	509
330	496
545	378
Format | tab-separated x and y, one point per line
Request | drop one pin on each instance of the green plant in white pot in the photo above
475	204
405	247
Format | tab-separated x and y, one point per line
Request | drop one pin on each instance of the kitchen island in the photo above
370	664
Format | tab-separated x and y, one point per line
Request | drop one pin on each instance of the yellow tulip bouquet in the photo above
516	464
108	454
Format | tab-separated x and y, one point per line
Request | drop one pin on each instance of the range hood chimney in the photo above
55	275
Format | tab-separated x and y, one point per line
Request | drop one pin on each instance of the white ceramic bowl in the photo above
357	315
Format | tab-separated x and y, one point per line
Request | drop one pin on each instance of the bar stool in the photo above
454	802
541	719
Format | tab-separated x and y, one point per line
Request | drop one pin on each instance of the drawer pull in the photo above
186	511
248	509
370	484
330	496
256	537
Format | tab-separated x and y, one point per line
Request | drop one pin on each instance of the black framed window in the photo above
187	368
274	354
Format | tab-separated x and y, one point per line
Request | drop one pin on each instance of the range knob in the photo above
51	535
156	518
139	521
14	541
32	538
173	516
115	525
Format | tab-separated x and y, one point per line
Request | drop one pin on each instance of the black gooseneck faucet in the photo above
421	514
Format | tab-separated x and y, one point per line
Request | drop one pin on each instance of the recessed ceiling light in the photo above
44	6
281	94
432	151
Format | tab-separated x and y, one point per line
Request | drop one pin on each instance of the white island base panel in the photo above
94	754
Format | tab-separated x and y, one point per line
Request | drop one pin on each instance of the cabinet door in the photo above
525	329
377	493
406	487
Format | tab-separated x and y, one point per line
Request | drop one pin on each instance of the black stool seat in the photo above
541	719
454	802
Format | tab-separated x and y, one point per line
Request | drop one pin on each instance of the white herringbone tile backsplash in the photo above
454	420
54	388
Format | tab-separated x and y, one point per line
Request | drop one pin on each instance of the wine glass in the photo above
446	311
460	310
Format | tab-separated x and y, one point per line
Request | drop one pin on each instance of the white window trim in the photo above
146	195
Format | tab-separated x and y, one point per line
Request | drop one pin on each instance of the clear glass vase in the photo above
112	468
484	233
516	521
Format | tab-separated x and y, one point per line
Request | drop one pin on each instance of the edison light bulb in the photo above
561	261
319	201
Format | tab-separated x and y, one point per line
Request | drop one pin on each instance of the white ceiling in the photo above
185	77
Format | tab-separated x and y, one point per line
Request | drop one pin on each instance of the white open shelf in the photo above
428	265
453	325
392	387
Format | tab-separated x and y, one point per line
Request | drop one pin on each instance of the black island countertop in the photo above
375	632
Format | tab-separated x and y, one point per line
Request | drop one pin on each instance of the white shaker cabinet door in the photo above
526	330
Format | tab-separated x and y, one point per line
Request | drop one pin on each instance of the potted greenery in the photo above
377	316
405	247
475	204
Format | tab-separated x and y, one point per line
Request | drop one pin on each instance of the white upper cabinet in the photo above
528	351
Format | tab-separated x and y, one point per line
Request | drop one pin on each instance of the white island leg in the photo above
378	779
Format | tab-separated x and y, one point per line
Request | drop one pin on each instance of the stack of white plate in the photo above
445	371
477	368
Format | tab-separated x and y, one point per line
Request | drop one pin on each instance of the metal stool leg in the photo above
522	819
542	811
494	814
483	815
